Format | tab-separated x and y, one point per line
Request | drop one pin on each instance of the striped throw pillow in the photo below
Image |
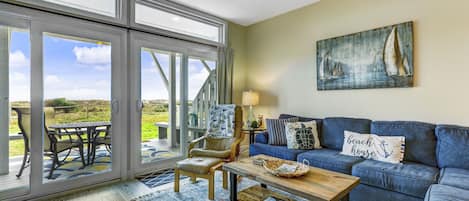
276	130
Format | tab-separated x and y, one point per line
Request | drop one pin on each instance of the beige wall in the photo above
282	62
237	40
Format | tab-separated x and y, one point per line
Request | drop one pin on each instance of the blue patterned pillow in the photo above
276	130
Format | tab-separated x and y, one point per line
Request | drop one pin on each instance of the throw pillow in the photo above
302	135
276	130
381	148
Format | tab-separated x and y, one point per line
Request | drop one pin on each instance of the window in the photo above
102	7
158	18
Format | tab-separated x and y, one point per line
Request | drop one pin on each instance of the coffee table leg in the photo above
233	187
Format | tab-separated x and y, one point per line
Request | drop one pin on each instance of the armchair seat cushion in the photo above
330	160
198	165
409	178
438	192
455	177
276	151
210	153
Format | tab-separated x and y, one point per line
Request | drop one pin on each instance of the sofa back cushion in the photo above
420	139
332	135
453	146
303	119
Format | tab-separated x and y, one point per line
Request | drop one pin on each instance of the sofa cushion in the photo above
330	160
303	119
438	192
420	140
409	178
369	193
276	130
262	138
332	135
276	151
455	177
453	146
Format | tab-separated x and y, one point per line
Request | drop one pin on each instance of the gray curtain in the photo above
225	75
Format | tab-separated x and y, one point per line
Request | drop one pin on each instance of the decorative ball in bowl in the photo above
288	169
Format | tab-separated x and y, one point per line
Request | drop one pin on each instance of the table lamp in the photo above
250	98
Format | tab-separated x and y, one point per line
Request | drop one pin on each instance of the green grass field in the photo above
90	111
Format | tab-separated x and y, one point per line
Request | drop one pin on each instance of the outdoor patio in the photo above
151	151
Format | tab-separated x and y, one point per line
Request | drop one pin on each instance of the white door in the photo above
79	87
160	75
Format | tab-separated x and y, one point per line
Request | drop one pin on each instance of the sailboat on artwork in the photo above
394	62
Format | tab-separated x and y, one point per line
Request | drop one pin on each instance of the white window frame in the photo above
121	17
182	11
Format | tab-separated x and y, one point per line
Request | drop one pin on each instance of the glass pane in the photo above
15	78
102	7
77	106
202	94
157	140
160	19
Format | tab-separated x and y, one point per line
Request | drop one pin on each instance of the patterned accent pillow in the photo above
381	148
221	121
276	130
302	135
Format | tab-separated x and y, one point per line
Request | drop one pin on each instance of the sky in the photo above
78	70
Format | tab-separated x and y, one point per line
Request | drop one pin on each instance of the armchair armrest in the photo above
235	148
193	143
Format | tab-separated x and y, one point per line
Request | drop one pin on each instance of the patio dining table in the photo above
78	127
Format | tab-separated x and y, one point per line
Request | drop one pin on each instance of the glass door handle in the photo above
115	106
140	105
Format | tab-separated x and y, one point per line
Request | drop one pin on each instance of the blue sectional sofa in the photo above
435	167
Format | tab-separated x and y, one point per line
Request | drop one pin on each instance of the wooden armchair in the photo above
222	140
221	144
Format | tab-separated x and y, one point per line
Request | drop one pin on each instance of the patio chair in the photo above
221	145
52	143
105	140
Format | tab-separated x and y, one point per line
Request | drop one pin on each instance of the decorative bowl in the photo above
277	168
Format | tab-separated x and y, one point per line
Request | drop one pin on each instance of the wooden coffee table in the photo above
317	184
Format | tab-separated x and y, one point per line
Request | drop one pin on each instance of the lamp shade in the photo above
250	98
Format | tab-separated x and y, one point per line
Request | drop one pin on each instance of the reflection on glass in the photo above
77	94
15	90
146	15
157	140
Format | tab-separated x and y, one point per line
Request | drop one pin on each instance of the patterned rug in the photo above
71	167
199	191
159	178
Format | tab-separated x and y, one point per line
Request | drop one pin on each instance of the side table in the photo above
252	133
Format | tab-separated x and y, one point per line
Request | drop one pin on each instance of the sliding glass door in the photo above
172	85
80	82
15	79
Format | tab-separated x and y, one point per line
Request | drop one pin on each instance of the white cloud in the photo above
52	79
15	76
100	55
18	59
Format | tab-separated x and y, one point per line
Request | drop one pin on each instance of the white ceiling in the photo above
246	12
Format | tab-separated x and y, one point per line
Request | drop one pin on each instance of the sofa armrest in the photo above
262	138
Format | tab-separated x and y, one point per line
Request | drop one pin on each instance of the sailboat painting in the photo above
378	58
